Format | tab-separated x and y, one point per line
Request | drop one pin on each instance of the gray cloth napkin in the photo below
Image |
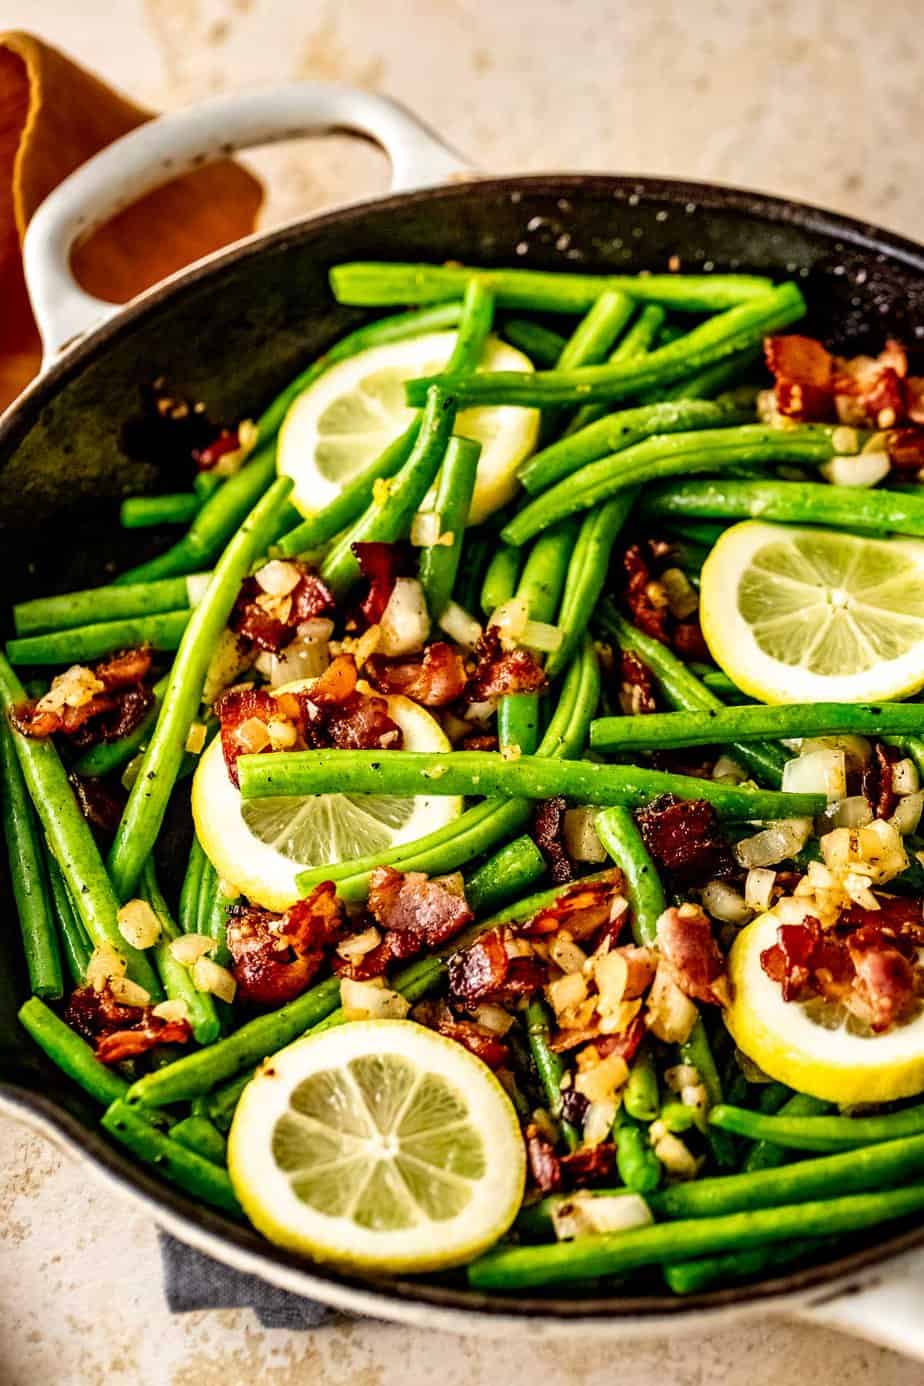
193	1280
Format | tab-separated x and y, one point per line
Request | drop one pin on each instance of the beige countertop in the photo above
812	98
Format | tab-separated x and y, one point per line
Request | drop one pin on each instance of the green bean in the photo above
214	905
715	340
70	1053
390	519
544	571
822	1133
540	344
709	726
489	773
512	1268
109	756
703	450
95	604
549	1066
710	381
221	1104
587	573
396	328
853	1171
474	326
640	1097
638	1165
75	946
792	502
481	827
500	580
177	979
709	1272
142	512
373	284
218	520
636	342
477	547
163	756
614	433
589	343
722	686
504	875
352	501
82	643
206	483
772	1097
201	1178
28	878
198	1134
678	1118
696	532
70	839
697	1051
617	831
208	884
518	722
684	690
439	563
197	1073
192	884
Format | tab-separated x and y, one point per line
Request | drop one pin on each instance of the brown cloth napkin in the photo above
53	117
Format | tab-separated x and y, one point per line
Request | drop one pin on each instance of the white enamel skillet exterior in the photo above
881	1301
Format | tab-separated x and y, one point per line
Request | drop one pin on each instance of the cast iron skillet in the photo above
232	331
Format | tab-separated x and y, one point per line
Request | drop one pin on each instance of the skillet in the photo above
231	331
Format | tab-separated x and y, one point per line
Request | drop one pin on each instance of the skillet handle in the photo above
174	144
887	1310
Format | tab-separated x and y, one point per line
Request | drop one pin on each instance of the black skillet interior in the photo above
235	332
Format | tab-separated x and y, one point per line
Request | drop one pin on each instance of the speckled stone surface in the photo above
812	98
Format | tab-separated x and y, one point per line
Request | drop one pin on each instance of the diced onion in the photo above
905	777
277	577
852	812
817	772
208	975
358	945
681	1076
171	1010
675	1157
598	1121
566	954
857	749
584	1215
252	736
729	770
228	662
671	1014
189	948
426	527
863	469
128	993
138	924
493	1018
565	992
845	440
460	626
682	596
758	888
511	618
725	903
405	621
539	635
197	584
779	840
581	840
195	738
908	812
105	963
371	1000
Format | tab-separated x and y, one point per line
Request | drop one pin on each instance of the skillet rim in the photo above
397	1298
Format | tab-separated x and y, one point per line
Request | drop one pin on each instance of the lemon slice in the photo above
810	615
341	423
789	1042
260	847
378	1145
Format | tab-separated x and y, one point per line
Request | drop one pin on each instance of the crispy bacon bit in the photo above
548	834
898	914
589	1164
479	743
416	913
367	965
478	1040
691	953
544	1164
636	691
688	640
208	457
650	615
498	672
125	669
479	971
120	1032
905	446
274	957
272	623
801	360
625	1045
381	565
110	712
876	781
582	908
100	804
360	724
574	1107
682	835
870	970
863	391
433	679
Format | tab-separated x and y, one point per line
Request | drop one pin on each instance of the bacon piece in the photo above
479	743
126	668
588	1165
275	628
498	672
364	966
337	683
582	908
885	980
477	1039
381	565
914	398
870	390
636	691
100	803
275	957
625	1045
120	1032
688	640
548	834
416	913
235	707
362	724
208	457
683	836
544	1164
479	971
802	360
876	781
650	616
691	953
574	1107
105	715
433	679
905	446
900	915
